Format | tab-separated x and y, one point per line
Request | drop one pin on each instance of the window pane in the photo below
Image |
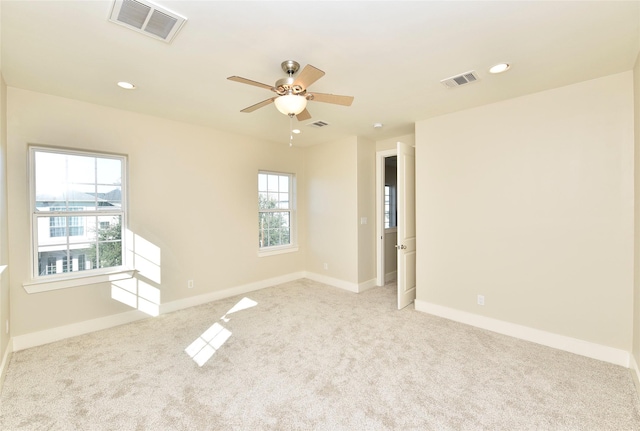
53	260
274	229
109	172
109	228
81	197
263	201
272	183
283	200
63	229
79	180
81	169
284	183
286	220
262	182
109	254
109	197
50	179
272	201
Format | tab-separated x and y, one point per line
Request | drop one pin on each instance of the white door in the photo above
406	225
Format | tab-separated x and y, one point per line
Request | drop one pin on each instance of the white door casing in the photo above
380	183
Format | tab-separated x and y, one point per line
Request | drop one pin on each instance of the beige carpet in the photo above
305	356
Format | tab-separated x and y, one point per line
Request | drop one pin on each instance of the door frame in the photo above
380	156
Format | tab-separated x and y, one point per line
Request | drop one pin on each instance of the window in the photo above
387	207
390	214
390	192
275	210
78	211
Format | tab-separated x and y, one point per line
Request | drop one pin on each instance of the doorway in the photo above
395	221
389	235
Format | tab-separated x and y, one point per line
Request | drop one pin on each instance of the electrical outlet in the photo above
326	266
190	284
480	299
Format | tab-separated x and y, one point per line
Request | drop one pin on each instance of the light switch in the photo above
363	220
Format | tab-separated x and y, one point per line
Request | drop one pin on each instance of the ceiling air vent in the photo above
318	124
147	18
462	79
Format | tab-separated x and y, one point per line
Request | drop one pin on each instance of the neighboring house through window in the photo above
78	211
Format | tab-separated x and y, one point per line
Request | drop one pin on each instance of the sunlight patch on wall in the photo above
143	256
206	345
139	292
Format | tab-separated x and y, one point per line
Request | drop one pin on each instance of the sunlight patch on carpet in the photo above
202	349
206	345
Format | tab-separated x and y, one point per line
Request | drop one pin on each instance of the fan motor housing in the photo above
286	86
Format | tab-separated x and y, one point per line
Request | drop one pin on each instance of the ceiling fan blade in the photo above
308	76
258	105
250	82
304	115
332	98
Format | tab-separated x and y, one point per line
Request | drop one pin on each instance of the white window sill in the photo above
275	251
46	285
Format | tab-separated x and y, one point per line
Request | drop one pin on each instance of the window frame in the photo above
74	278
292	210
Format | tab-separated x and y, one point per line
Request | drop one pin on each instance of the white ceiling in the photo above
389	55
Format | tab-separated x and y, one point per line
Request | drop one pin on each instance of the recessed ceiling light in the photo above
296	131
126	85
377	125
499	68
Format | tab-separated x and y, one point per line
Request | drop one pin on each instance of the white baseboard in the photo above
47	336
192	301
391	276
369	284
635	372
39	338
560	342
341	284
5	362
335	282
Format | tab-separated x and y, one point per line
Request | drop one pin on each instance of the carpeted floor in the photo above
306	356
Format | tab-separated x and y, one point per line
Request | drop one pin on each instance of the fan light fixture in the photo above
291	104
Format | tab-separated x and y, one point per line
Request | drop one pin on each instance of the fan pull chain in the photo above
290	130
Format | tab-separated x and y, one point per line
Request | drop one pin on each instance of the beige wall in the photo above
392	143
366	209
192	194
636	288
4	248
530	203
332	209
5	299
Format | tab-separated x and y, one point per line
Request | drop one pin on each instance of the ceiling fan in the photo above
292	94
